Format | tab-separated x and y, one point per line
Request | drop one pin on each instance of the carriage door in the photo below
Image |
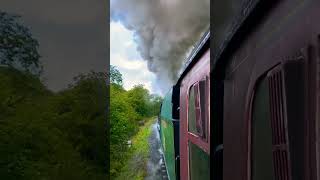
198	145
195	121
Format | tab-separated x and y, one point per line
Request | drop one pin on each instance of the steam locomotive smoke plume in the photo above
165	30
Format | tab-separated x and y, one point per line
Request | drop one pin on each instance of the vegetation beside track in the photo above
129	110
138	154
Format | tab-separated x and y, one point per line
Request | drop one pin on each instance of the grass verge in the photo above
136	168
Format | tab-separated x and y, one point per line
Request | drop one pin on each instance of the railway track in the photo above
163	169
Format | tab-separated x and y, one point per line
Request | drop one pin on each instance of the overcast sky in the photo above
124	55
72	35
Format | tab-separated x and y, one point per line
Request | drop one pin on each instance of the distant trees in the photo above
17	46
156	101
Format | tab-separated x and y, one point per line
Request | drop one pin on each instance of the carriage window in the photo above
197	109
192	112
262	165
203	107
199	163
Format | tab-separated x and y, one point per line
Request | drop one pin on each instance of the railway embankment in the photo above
139	154
155	162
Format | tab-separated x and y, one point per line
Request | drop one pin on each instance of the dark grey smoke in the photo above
165	30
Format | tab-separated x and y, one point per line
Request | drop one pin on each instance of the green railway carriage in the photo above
169	135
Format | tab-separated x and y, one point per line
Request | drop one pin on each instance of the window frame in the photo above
196	139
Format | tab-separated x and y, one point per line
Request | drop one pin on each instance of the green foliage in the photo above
52	136
138	154
127	110
46	135
156	101
17	46
122	126
86	119
115	76
139	97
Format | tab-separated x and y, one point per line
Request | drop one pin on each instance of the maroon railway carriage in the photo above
194	113
195	121
265	87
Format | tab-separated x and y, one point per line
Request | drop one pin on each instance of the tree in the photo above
139	99
156	101
18	48
99	76
83	108
115	76
45	135
123	124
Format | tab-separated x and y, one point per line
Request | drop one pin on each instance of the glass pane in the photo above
199	163
262	165
198	121
198	110
192	112
202	86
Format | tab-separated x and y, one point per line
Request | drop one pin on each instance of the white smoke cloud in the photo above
165	30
